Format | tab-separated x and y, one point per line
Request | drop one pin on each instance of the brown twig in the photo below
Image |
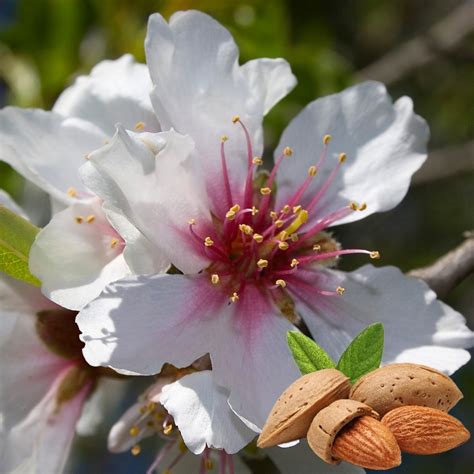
443	37
451	269
446	162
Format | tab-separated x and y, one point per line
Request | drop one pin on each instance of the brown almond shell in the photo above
294	410
424	430
397	385
329	421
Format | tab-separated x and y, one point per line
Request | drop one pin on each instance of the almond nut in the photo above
293	412
423	430
367	443
337	434
397	385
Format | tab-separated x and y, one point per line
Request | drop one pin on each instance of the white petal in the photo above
27	368
40	443
385	144
154	182
100	406
418	327
139	323
302	460
199	87
75	261
116	91
200	410
270	79
7	201
47	149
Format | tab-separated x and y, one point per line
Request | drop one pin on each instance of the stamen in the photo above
262	263
215	278
338	253
297	209
225	172
326	139
249	180
287	151
283	245
192	222
136	450
79	219
375	254
114	243
279	223
342	157
265	191
90	219
285	209
316	247
234	298
208	242
232	212
134	431
273	215
363	207
340	290
254	211
257	161
294	263
72	192
140	126
246	229
281	283
312	170
258	238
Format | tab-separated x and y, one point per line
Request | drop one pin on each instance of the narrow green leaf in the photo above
364	353
16	237
309	357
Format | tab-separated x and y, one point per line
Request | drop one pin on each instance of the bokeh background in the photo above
422	48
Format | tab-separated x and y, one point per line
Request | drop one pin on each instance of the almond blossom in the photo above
79	251
254	249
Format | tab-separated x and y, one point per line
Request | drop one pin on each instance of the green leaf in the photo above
309	357
364	353
16	237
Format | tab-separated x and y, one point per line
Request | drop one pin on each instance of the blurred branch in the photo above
446	162
451	269
443	37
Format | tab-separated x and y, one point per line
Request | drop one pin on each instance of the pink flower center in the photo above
255	244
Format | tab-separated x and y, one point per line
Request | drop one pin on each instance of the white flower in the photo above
79	252
249	272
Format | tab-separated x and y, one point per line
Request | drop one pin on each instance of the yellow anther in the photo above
326	139
235	118
224	138
134	431
296	209
294	237
283	235
151	407
215	278
209	464
234	298
79	219
192	222
258	238
312	170
375	254
168	429
298	222
273	215
257	161
294	263
283	245
342	157
265	191
142	410
208	242
316	247
278	223
230	215
285	209
246	229
90	219
254	211
281	283
235	208
354	206
140	126
114	243
262	263
136	450
72	192
340	290
363	206
287	151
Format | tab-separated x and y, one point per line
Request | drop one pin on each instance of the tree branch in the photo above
446	162
451	269
443	37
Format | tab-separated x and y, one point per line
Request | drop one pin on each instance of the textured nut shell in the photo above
398	385
329	421
422	430
298	404
367	443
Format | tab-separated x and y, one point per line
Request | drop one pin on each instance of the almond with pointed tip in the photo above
294	411
424	430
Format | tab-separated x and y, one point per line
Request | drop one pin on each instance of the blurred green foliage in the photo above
44	44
